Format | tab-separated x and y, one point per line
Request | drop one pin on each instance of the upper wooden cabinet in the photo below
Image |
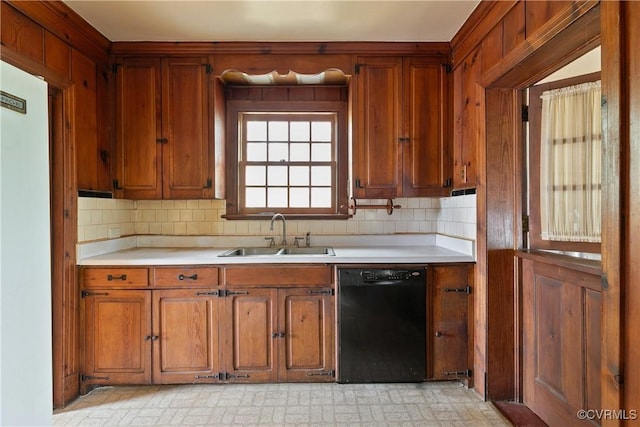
164	129
466	102
401	146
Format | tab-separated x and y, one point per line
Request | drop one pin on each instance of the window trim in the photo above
535	130
236	107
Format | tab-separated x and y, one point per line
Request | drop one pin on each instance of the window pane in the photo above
277	197
320	152
277	175
256	131
255	175
299	152
255	197
299	175
321	131
278	131
256	152
321	197
299	197
299	131
278	152
321	175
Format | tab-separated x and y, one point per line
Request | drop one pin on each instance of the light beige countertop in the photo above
205	250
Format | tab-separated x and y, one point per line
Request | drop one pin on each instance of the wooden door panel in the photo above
448	331
377	168
116	324
306	352
139	129
561	342
426	101
249	327
186	323
187	164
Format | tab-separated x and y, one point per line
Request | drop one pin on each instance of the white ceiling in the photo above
282	20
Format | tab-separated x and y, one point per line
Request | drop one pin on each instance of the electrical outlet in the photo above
114	232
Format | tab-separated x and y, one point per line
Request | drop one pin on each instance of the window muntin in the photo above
287	162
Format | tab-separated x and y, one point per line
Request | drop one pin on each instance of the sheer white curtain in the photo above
570	167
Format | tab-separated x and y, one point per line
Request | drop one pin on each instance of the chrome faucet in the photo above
284	227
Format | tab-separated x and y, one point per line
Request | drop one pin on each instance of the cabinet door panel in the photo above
139	128
249	335
187	163
186	323
306	352
116	324
377	166
426	116
449	314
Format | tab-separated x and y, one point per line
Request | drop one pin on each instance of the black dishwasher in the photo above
381	325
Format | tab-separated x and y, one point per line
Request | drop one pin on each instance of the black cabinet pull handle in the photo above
111	277
192	277
438	334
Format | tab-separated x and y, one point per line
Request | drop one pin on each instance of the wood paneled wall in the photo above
515	43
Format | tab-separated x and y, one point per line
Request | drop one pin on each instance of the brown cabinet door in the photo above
139	130
448	333
376	146
249	325
187	153
425	154
186	324
468	99
305	335
118	337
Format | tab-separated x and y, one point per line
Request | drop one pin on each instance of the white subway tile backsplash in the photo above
452	216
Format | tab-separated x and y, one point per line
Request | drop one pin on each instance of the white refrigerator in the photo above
25	260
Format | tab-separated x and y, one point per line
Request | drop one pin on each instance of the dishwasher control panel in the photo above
385	275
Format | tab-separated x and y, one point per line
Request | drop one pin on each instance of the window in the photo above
566	165
288	162
290	154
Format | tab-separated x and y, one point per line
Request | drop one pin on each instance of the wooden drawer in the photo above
184	276
277	275
115	277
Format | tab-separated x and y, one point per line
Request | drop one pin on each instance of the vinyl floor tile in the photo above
437	404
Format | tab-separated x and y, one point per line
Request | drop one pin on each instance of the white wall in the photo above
25	270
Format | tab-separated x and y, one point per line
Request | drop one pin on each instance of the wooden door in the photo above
138	127
561	342
186	324
448	332
249	324
187	146
425	152
377	161
118	336
305	335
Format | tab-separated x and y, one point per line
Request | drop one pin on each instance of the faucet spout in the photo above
284	227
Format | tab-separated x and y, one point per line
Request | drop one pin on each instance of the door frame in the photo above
502	86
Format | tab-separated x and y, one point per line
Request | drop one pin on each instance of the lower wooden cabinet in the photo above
185	349
448	321
117	337
144	337
178	326
279	335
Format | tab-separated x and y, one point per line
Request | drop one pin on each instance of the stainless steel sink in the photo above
312	250
250	251
262	251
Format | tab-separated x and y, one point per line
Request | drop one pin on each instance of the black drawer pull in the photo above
466	290
111	277
183	277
